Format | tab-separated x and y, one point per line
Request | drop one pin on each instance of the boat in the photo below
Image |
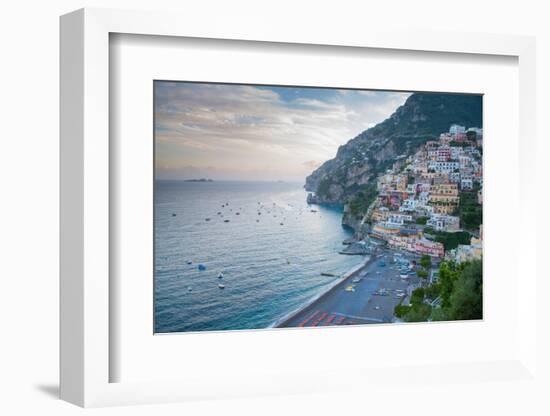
201	267
221	286
220	276
173	214
207	219
225	220
189	262
189	289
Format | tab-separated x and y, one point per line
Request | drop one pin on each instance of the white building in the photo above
464	161
467	183
457	129
454	177
424	187
408	205
423	198
399	219
411	188
456	152
444	167
441	222
424	209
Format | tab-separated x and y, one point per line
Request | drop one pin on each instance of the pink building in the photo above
431	248
443	154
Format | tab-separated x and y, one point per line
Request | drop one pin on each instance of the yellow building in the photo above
384	229
449	189
444	197
443	209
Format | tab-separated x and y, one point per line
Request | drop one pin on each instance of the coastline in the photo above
368	294
281	322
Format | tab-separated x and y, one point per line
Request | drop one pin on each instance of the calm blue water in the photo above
269	269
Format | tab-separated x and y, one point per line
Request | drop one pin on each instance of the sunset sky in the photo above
242	132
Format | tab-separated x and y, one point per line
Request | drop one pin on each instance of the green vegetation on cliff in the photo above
459	292
361	201
450	240
471	213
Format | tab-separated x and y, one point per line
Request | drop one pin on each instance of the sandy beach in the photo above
366	295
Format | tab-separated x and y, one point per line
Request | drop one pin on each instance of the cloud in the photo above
312	164
274	132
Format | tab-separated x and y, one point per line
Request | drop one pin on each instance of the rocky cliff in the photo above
350	178
357	164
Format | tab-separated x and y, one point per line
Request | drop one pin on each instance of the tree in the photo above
460	290
447	276
429	230
417	296
423	274
418	313
449	240
401	310
421	220
439	314
431	292
471	213
426	262
361	201
466	299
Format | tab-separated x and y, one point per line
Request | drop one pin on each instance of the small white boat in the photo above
221	286
220	276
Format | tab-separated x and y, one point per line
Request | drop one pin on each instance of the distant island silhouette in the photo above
199	180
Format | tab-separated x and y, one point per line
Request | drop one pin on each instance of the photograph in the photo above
307	207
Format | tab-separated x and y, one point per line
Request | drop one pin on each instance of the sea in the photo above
268	243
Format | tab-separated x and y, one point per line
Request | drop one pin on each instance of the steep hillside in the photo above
423	117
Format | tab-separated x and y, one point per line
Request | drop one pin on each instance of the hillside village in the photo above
430	202
414	198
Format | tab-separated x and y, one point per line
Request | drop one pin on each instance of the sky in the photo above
265	133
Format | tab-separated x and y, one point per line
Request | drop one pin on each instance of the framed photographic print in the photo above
239	213
258	224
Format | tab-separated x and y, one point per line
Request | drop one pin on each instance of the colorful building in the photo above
431	248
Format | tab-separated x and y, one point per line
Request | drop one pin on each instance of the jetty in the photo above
357	248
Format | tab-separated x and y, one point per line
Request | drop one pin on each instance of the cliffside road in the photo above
370	300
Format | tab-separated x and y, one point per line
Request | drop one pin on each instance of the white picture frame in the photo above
85	208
